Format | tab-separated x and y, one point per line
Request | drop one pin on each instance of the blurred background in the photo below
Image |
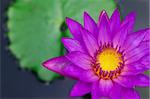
17	83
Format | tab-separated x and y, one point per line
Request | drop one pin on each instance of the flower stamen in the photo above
109	62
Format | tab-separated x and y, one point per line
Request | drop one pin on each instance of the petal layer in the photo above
72	45
104	28
115	23
125	81
88	76
95	91
142	80
147	36
134	69
116	91
105	86
57	64
137	53
135	39
63	66
121	35
74	28
130	93
130	19
90	42
80	89
72	71
80	59
90	24
146	61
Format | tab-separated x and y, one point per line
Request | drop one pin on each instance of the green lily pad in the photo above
34	28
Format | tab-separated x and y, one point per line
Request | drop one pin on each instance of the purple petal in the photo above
130	19
105	86
63	66
72	71
88	76
126	81
57	64
90	24
72	45
74	28
115	93
142	80
147	36
80	59
104	28
90	42
137	53
130	93
95	91
121	35
133	69
115	22
146	61
80	89
134	39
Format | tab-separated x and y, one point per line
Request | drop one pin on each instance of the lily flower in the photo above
106	58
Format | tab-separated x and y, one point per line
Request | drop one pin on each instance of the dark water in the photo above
16	83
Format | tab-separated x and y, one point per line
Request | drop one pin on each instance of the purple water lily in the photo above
107	59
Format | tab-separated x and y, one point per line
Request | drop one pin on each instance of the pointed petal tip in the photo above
103	15
116	11
131	16
68	19
56	64
86	13
47	64
74	28
130	19
103	11
133	13
63	38
44	64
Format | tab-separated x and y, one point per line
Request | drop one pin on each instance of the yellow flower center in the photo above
109	63
109	59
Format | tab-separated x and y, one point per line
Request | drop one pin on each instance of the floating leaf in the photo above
34	28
